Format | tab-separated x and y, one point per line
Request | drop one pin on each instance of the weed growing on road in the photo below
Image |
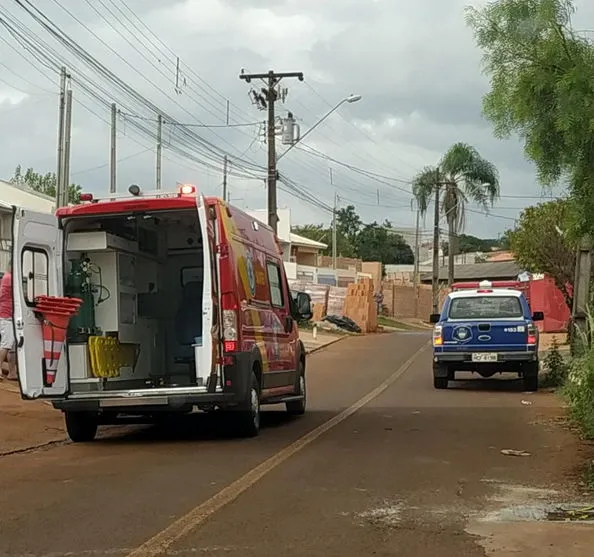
555	366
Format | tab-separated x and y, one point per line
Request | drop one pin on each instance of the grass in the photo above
579	387
589	475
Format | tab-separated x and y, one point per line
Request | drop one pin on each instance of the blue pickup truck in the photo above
486	331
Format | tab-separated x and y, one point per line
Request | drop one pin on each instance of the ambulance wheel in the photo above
297	408
440	382
247	417
81	426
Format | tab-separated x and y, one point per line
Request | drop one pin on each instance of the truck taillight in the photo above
532	334
437	335
230	336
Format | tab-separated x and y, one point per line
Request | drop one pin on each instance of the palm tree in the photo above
462	176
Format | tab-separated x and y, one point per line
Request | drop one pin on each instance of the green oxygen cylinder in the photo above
78	285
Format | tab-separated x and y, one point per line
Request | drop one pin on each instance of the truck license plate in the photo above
484	357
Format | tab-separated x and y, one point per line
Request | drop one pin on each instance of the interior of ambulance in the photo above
141	278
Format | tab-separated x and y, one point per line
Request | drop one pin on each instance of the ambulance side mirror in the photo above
303	303
434	318
538	316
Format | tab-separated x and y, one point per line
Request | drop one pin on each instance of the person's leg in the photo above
7	343
12	366
4	349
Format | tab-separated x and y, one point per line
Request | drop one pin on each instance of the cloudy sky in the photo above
414	63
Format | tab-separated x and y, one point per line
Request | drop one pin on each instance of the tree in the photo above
462	176
377	243
505	240
542	89
541	244
469	244
348	226
43	183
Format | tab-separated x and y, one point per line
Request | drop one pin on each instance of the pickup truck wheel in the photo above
531	378
440	382
81	426
297	408
247	417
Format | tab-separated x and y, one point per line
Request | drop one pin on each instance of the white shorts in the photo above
6	334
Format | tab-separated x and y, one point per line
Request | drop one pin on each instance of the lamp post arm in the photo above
311	129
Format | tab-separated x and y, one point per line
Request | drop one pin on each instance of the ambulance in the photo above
183	305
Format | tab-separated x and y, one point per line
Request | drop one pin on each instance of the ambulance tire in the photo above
81	426
297	408
440	382
246	419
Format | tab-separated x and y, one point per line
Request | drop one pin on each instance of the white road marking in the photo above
161	542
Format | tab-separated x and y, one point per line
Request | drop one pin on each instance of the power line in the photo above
149	119
47	56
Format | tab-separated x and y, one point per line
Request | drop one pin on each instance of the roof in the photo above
132	204
297	240
26	197
479	271
501	256
479	294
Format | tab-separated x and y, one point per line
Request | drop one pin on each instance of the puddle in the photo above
388	514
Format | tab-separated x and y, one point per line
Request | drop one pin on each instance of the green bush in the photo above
556	368
579	389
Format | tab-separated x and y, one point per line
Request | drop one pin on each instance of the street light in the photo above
350	99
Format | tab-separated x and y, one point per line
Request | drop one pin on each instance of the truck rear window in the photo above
486	307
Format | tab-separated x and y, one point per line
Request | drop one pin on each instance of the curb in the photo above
318	348
25	450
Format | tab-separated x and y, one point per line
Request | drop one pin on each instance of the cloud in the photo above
414	63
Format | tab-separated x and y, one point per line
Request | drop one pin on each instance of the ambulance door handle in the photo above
21	342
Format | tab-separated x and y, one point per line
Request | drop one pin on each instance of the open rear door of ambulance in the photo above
36	271
206	365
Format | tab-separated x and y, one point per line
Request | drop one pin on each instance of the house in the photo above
19	196
296	249
499	270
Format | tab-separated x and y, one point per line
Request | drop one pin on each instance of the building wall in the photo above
341	262
304	256
11	195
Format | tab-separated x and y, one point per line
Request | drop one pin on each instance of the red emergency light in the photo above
513	284
186	190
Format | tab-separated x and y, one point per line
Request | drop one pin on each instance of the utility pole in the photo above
112	165
435	280
67	137
334	247
416	268
272	79
581	294
62	109
225	163
159	148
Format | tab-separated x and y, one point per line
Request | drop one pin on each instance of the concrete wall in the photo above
346	263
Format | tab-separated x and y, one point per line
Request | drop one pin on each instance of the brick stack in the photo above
319	312
359	305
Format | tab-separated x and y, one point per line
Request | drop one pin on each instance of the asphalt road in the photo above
382	464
